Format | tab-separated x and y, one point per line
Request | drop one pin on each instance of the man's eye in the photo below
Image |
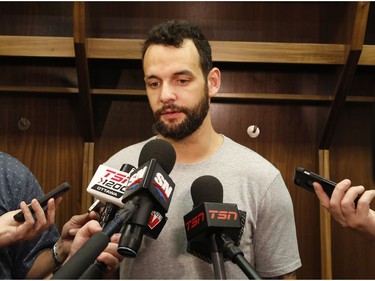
153	84
182	81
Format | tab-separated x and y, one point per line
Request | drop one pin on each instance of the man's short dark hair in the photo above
173	33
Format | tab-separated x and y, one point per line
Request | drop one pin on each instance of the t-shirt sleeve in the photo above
275	237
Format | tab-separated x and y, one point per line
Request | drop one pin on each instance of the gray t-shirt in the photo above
269	241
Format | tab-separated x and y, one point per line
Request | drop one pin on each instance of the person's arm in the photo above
45	264
109	256
74	234
343	209
12	231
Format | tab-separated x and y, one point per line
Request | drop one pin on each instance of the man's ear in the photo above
214	81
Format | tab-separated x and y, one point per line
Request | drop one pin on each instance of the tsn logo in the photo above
195	221
116	176
213	215
223	215
114	179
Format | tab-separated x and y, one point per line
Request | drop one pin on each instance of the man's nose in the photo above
167	94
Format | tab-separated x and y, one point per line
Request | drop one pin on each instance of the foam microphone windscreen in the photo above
162	151
206	189
206	217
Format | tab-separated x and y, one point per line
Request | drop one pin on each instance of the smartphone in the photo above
304	178
58	191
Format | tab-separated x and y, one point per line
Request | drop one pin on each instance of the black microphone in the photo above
152	184
202	224
210	217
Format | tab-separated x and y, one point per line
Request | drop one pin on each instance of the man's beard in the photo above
194	119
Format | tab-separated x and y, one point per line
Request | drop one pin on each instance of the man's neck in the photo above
197	147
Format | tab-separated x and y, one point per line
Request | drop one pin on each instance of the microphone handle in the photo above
217	259
82	259
235	254
108	214
94	272
246	267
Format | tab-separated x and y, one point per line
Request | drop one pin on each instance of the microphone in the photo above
202	224
212	218
112	202
210	215
108	185
152	184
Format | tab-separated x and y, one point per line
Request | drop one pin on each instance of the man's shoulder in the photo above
244	158
241	151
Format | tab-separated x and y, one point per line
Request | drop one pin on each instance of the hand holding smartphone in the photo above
305	178
58	191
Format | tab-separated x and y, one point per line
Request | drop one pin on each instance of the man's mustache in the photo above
171	107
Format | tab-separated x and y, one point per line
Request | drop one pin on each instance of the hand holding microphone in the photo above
109	258
110	185
91	249
149	186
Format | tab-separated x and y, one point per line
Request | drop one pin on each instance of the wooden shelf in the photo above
223	51
367	56
39	90
36	46
220	97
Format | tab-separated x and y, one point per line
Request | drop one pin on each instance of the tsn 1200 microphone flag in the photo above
109	184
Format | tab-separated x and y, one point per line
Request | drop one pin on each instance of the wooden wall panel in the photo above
239	21
41	19
52	147
352	254
288	139
127	122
